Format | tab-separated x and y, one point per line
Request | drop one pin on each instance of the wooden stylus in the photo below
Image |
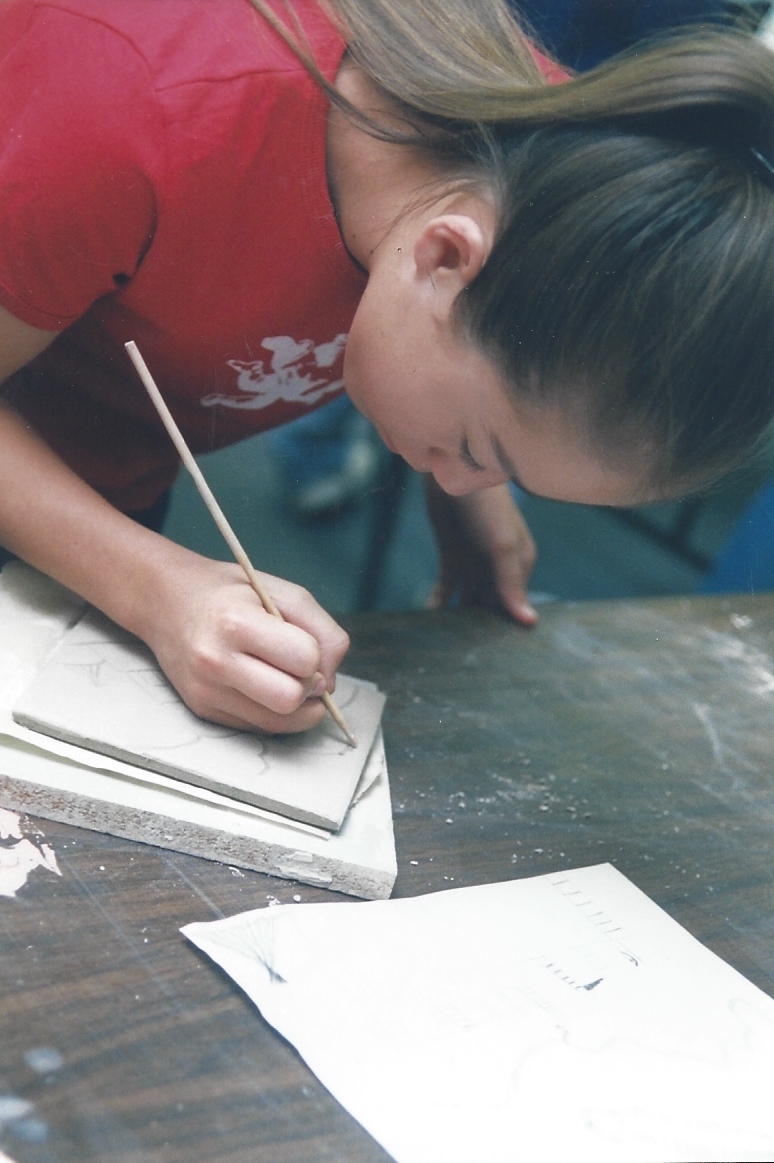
217	513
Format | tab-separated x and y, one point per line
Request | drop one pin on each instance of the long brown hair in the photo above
631	281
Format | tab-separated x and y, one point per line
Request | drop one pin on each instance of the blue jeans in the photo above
745	564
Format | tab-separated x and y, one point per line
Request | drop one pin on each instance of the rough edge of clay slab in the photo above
290	862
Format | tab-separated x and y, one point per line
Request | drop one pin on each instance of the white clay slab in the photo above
61	781
102	689
358	859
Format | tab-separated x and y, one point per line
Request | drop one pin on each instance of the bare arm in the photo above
486	550
228	659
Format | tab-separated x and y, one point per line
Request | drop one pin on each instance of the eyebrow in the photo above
506	466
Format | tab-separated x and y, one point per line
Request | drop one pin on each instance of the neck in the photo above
373	184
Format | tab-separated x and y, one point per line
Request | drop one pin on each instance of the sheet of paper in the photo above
560	1019
102	689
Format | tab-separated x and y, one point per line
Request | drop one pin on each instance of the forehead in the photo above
546	452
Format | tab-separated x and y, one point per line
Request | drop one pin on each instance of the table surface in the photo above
637	732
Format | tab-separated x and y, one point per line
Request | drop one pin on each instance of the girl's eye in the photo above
468	457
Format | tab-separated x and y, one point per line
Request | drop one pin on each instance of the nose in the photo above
458	479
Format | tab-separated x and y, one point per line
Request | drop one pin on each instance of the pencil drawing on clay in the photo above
58	780
101	688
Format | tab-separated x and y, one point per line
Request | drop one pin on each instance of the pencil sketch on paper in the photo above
102	689
256	941
477	999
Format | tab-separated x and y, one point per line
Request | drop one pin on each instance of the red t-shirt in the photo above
163	179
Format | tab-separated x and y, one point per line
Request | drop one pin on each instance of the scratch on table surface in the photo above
731	762
202	895
750	662
139	952
704	715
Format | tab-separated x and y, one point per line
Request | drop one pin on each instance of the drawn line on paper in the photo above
592	912
257	941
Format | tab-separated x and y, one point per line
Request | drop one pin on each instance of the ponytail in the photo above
631	281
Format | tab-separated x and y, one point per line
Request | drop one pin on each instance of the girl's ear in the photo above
449	252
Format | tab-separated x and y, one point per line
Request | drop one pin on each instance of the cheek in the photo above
355	382
350	361
450	474
366	362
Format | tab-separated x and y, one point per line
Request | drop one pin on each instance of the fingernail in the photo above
524	610
319	686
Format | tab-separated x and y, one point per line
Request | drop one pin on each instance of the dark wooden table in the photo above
639	733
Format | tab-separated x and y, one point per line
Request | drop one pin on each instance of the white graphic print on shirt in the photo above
292	377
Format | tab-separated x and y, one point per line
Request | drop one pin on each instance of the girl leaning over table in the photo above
567	285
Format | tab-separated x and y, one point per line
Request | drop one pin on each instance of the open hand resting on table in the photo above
486	551
234	663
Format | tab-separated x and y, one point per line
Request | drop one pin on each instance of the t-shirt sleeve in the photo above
81	143
553	72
